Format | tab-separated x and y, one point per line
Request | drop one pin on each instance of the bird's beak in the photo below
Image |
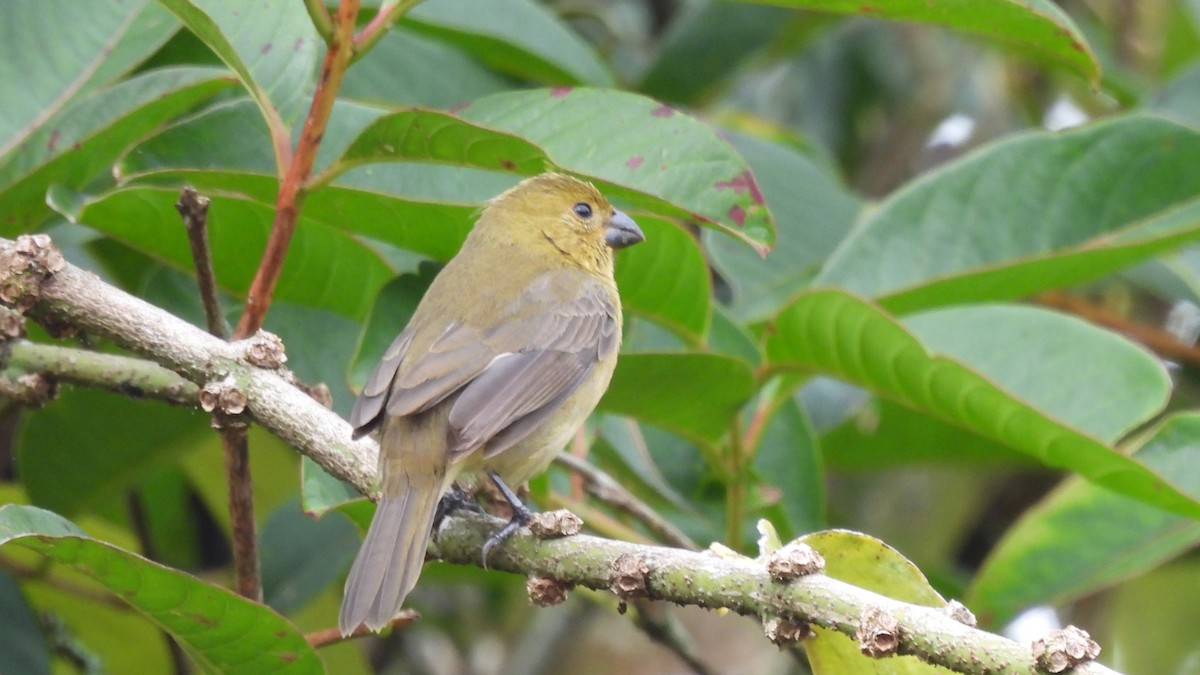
621	231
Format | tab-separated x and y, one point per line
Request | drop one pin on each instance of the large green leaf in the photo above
1035	28
272	47
525	39
1082	538
813	212
1034	212
693	395
80	143
43	66
1048	360
604	135
223	632
325	267
835	333
666	279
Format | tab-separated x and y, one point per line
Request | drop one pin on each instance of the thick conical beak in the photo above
621	231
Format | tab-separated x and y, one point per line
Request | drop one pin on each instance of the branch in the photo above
235	445
291	190
33	276
120	374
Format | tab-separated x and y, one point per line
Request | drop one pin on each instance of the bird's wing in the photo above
541	359
511	376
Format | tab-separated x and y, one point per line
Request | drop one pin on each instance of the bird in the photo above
506	355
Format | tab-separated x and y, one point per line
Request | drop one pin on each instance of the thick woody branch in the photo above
744	586
79	298
66	294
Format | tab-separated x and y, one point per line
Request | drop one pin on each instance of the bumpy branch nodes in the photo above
878	633
794	560
32	390
959	612
546	592
12	324
783	632
1063	649
265	350
558	523
223	395
630	576
24	265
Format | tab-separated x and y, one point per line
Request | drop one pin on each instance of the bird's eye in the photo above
583	210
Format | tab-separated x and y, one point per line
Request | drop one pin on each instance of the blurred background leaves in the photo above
959	168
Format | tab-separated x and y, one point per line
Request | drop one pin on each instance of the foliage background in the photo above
904	161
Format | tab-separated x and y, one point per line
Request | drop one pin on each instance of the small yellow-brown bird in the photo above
505	357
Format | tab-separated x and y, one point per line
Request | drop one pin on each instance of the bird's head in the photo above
565	213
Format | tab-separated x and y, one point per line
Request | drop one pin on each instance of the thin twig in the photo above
318	13
236	450
379	24
193	209
330	636
606	489
246	564
291	190
120	374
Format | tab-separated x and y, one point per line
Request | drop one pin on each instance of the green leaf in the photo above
43	66
525	39
272	47
220	630
867	563
666	279
81	142
813	211
1082	538
693	395
835	333
1034	212
1048	360
325	268
89	444
603	135
1035	28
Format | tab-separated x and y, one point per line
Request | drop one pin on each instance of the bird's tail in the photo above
390	560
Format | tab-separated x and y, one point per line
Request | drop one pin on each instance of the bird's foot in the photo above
455	499
521	516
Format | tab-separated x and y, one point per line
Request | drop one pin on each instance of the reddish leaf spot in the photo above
298	44
662	167
281	633
738	215
867	9
53	141
634	162
559	92
265	48
743	182
458	107
663	111
508	164
290	657
76	145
